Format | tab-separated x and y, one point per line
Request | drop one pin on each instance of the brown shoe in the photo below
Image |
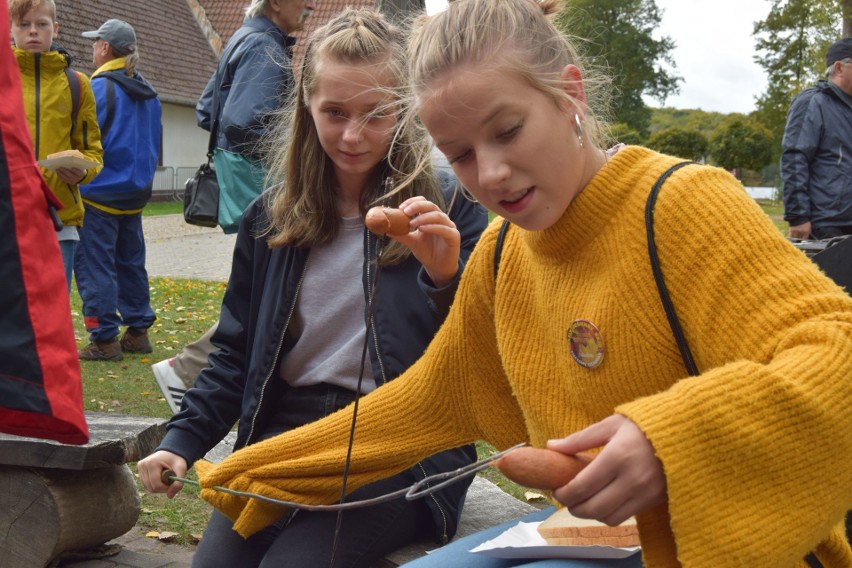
135	341
102	351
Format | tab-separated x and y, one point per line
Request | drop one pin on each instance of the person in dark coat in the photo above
253	80
815	167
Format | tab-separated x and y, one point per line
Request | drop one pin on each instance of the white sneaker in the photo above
170	384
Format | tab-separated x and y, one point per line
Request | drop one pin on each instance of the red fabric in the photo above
52	394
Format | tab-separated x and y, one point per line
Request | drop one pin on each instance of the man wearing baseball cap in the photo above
816	168
118	34
129	115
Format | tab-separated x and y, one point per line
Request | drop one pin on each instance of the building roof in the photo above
226	16
174	54
324	10
223	16
179	40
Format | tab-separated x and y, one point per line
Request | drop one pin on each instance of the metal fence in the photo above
169	182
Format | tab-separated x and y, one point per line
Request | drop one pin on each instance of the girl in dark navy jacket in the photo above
292	327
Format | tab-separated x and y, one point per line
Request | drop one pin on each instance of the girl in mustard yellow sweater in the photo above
748	463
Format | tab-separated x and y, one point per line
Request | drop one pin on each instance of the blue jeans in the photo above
111	275
305	540
457	554
67	249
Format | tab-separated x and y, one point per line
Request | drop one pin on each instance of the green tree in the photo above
621	132
792	42
617	36
690	119
677	141
846	5
741	142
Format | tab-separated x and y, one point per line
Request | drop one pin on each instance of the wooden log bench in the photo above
56	498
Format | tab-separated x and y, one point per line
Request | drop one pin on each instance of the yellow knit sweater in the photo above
757	450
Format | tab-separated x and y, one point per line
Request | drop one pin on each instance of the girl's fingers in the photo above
589	438
594	478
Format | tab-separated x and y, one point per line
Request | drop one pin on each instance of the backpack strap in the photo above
74	87
109	95
498	247
668	306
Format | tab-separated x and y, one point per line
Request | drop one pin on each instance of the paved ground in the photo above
177	249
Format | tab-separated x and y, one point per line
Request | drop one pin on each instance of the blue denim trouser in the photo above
67	249
111	276
457	554
305	540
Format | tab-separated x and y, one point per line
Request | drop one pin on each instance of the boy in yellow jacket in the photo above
60	109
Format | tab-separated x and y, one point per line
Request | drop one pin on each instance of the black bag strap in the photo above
215	111
498	248
663	291
74	87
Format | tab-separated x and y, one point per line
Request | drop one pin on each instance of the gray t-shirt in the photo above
329	316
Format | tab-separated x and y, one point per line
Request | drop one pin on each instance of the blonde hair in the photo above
130	55
514	34
302	201
19	8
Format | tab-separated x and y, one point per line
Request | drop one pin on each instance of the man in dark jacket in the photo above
253	79
110	259
816	168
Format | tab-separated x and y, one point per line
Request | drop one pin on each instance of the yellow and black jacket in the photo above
48	102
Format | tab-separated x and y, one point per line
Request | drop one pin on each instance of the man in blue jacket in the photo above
253	79
816	168
110	258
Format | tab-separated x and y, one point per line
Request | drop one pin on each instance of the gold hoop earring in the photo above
579	129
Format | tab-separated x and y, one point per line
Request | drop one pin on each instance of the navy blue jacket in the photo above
264	284
254	77
816	159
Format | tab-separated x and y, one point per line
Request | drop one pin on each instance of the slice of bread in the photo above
66	153
562	528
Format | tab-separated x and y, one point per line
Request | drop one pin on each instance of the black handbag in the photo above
201	197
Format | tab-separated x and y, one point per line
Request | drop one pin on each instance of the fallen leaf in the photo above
152	534
167	536
533	496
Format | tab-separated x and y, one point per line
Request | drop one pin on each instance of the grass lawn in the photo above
775	211
162	208
185	309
